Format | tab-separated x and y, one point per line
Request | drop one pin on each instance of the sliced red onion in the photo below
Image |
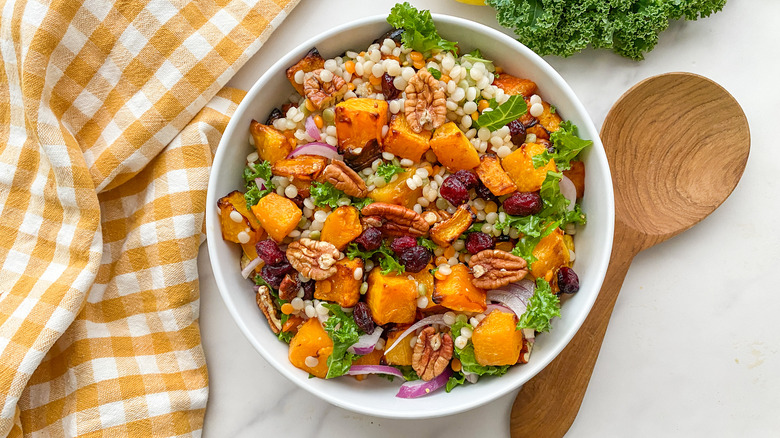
260	183
514	295
311	129
251	267
356	370
499	307
568	191
366	343
419	388
317	148
529	334
433	319
471	377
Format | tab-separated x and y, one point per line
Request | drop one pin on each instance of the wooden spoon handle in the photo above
550	401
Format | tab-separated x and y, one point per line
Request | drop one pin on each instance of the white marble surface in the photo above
692	348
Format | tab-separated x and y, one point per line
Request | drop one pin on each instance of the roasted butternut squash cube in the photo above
373	358
549	120
312	61
445	232
513	85
311	341
494	177
457	292
402	353
425	278
577	176
391	298
342	226
496	340
341	287
271	144
520	167
551	253
401	141
397	192
278	215
359	122
453	149
302	167
247	223
538	131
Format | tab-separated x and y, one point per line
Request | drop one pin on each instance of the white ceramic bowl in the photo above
375	396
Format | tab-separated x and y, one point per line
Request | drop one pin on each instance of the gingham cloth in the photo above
109	116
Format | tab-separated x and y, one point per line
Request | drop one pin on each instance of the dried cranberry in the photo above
517	131
269	251
388	87
401	243
468	178
298	200
308	290
546	144
274	274
485	193
523	203
415	259
275	114
478	241
370	239
362	316
568	282
453	190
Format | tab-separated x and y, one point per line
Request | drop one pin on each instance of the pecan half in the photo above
315	259
425	104
397	220
493	268
266	305
370	222
289	287
432	353
320	93
344	179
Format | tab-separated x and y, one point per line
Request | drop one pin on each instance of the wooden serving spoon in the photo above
677	145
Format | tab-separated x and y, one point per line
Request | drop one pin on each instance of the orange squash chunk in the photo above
551	253
445	232
312	61
402	353
401	141
456	292
496	340
302	167
538	131
520	167
342	226
359	121
341	287
311	340
577	175
513	85
397	192
234	201
391	298
271	144
494	177
453	149
425	278
278	215
549	120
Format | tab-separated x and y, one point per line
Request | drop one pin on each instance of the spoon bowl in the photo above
677	145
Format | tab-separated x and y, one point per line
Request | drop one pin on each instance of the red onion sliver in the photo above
251	267
471	377
419	388
509	300
499	307
433	319
355	370
311	129
317	148
260	183
568	191
366	343
529	334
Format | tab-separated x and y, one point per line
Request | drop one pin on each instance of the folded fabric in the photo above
109	117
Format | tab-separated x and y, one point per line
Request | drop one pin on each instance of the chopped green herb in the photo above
253	193
542	308
567	146
502	114
427	244
387	170
344	332
359	203
386	260
435	73
419	29
325	194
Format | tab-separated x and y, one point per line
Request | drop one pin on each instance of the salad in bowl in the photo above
410	212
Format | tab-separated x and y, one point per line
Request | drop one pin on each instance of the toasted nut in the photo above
493	268
266	305
320	93
315	259
289	287
344	179
370	222
432	353
397	220
425	104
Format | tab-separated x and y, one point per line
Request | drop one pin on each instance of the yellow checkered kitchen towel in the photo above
109	116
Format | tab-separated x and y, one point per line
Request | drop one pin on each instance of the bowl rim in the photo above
597	152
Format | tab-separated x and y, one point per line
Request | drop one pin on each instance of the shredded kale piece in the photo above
502	114
420	32
253	193
542	308
344	332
